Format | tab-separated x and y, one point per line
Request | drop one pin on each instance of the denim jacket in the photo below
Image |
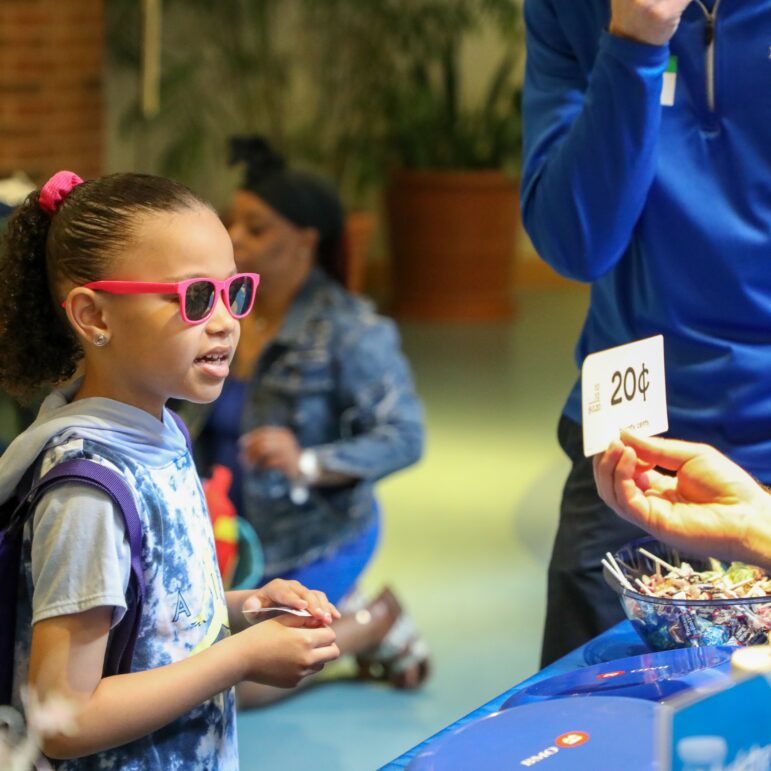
335	376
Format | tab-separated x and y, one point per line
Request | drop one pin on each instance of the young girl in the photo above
319	408
133	277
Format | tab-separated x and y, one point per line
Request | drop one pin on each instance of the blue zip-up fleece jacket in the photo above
666	209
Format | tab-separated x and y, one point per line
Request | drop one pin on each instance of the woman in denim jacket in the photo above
320	406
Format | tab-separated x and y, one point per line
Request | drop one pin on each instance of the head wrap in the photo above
53	193
306	200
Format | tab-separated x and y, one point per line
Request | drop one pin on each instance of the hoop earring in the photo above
100	340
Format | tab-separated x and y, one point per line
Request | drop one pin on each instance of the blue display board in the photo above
605	732
652	676
728	730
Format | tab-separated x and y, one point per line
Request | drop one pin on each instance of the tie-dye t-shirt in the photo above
184	611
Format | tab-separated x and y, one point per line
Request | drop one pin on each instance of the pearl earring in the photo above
100	340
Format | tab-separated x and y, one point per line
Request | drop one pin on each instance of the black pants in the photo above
580	604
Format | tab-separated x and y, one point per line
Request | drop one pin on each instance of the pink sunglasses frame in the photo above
180	288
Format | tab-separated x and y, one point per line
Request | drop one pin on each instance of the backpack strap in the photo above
123	638
183	428
10	557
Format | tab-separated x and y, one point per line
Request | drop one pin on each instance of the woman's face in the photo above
264	242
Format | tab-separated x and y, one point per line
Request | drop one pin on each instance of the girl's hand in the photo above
271	447
294	595
704	508
280	653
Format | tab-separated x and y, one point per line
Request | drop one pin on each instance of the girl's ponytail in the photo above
66	235
39	347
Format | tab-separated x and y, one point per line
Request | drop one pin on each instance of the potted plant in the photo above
449	157
224	70
233	67
370	92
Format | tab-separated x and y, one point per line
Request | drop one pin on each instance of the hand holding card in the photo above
255	615
280	596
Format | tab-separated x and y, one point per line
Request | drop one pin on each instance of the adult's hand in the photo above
710	506
646	21
272	447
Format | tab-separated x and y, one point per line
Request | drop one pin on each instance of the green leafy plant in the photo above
223	72
351	88
392	74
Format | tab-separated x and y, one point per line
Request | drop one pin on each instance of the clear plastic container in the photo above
664	624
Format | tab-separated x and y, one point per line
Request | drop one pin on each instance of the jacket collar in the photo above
304	307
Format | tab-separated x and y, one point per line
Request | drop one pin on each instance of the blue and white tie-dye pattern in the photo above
185	610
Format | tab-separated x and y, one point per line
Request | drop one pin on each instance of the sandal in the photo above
402	657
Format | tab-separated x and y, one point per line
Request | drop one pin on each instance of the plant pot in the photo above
359	229
452	236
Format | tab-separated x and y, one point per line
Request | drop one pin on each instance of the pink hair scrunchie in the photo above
56	190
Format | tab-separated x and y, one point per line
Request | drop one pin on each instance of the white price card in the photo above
623	388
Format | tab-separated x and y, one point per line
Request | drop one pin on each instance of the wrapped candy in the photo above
674	603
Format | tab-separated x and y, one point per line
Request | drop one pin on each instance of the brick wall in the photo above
51	81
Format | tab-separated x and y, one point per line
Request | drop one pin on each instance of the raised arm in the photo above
590	139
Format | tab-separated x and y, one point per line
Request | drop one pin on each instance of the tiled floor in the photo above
468	532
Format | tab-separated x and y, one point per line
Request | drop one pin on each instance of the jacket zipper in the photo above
709	42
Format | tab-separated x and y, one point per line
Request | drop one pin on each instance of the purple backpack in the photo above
13	515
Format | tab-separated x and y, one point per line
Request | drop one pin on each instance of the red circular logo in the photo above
572	739
606	675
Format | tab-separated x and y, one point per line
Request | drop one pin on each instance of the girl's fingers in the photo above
329	653
334	611
316	603
291	593
294	595
322	656
252	602
321	637
318	606
298	622
325	608
294	599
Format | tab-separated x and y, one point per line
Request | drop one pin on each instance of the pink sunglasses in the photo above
197	296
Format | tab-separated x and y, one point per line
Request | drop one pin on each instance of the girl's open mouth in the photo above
216	365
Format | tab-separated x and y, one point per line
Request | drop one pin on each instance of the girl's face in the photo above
264	242
152	354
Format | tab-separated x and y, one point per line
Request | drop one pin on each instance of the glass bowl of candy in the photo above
677	601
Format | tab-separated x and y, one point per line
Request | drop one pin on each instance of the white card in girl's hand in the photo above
260	614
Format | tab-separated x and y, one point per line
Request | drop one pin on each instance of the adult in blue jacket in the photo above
647	172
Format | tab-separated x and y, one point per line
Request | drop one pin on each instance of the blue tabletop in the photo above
618	642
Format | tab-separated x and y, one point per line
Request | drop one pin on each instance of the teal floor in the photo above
467	539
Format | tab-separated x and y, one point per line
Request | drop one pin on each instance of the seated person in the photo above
319	406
